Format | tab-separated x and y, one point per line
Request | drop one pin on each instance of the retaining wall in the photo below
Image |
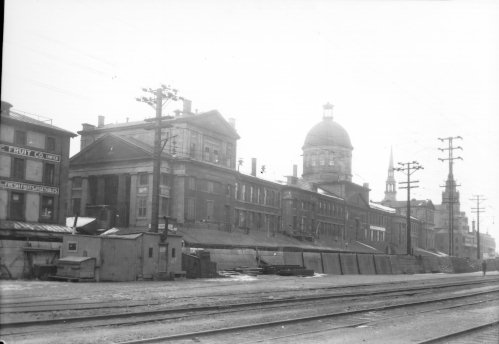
366	264
313	260
331	263
349	265
293	258
382	264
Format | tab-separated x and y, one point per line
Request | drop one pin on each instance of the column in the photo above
101	185
122	210
133	200
84	196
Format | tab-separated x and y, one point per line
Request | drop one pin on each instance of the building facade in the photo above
201	186
34	167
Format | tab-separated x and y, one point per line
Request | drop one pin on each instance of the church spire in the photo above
391	184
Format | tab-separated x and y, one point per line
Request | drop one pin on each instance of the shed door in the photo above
163	257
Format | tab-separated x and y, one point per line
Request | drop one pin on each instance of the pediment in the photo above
111	148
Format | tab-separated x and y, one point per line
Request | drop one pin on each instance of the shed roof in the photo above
74	259
36	227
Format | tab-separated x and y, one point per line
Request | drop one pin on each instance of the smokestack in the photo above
187	107
293	180
253	167
100	122
232	122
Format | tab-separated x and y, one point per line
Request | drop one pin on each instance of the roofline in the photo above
143	123
42	125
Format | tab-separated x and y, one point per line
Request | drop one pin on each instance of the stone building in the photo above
115	164
34	166
200	186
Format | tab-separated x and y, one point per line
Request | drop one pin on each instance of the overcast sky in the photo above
400	74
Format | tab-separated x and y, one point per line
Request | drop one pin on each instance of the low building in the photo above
34	166
128	257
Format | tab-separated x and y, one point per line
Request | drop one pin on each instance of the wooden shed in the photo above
76	268
128	257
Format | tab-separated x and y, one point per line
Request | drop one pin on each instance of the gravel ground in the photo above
170	294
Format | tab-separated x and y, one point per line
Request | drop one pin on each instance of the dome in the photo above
327	133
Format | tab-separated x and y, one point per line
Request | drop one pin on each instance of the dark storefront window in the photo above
17	206
47	213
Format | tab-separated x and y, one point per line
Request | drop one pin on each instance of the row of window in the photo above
19	171
257	195
374	235
325	229
17	207
21	139
250	219
378	220
324	207
142	206
204	185
190	212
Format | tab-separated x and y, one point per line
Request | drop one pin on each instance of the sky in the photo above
400	74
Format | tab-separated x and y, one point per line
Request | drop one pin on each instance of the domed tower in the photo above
327	151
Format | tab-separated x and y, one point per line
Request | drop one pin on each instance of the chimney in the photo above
187	107
366	185
100	122
293	180
127	119
253	167
6	108
232	122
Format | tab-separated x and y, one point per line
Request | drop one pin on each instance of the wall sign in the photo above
30	153
377	228
5	184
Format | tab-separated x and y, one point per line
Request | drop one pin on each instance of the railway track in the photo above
361	317
180	314
227	307
463	334
51	305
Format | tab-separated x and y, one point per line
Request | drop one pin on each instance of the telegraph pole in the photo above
451	184
159	98
409	168
477	211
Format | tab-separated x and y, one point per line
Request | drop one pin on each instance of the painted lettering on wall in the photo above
30	153
6	184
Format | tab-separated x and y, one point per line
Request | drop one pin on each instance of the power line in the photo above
160	97
450	185
409	169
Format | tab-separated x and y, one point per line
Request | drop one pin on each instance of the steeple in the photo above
391	184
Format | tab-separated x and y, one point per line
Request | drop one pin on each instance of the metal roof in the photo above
35	227
74	259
